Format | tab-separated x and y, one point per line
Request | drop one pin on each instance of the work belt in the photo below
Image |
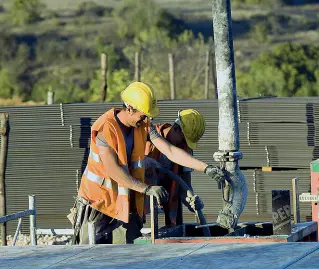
80	205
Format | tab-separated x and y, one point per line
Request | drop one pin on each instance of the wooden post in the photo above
154	218
295	200
104	67
207	69
213	68
33	224
3	159
91	232
171	75
137	66
50	98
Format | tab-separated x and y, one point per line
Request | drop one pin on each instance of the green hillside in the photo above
57	44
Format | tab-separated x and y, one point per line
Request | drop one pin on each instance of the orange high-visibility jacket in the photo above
102	192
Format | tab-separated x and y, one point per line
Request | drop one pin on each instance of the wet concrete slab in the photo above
311	259
170	256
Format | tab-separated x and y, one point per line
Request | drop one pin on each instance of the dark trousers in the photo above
108	230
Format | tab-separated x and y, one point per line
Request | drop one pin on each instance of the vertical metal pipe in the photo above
207	72
226	82
154	218
91	232
228	131
16	235
213	64
3	159
33	224
295	199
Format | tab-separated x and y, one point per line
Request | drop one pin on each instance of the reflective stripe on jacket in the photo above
103	193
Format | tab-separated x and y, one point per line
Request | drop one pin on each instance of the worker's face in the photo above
176	137
136	118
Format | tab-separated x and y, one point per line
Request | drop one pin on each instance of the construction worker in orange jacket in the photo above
184	133
112	189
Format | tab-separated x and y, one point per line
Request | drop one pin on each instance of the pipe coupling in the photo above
227	156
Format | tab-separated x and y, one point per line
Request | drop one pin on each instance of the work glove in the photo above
159	192
195	202
217	174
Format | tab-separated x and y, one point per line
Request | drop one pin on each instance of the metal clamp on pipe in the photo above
227	156
234	191
222	157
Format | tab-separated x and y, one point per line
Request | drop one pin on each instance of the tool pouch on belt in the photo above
76	215
72	215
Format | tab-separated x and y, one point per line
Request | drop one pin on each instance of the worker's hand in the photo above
195	202
217	174
159	192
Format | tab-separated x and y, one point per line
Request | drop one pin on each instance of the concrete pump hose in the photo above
151	162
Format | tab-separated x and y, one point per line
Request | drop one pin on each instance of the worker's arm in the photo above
183	158
117	173
122	177
175	154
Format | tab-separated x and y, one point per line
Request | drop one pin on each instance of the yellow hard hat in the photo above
141	97
193	126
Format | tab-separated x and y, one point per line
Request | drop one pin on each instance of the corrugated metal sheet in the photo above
48	148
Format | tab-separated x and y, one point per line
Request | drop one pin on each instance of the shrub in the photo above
93	9
26	11
288	70
134	16
261	32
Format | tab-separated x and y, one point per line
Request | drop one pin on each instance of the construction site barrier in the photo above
19	215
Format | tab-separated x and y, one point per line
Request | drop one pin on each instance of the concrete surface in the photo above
172	256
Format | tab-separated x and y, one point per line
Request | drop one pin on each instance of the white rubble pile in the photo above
24	240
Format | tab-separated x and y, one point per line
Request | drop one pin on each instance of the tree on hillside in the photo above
26	11
13	66
8	84
118	80
189	60
134	16
289	70
92	9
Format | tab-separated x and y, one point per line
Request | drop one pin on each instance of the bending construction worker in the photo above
111	194
186	131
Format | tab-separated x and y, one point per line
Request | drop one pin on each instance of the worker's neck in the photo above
123	117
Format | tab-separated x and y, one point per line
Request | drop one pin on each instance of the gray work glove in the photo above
195	202
217	174
159	192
